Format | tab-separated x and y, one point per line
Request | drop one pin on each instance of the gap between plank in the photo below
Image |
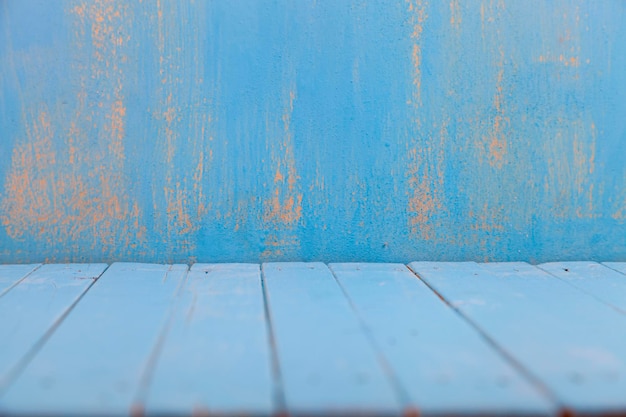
16	283
401	393
562	409
16	370
279	393
616	270
137	408
600	300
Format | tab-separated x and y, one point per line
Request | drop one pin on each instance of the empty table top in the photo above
427	338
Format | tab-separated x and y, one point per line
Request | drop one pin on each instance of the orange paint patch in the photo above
421	206
67	178
569	182
417	13
278	177
422	186
283	211
425	190
496	140
176	209
285	205
567	61
455	14
184	131
28	206
287	210
276	246
584	153
117	116
198	184
486	220
487	224
565	48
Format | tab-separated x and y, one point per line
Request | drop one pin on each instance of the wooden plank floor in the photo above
425	338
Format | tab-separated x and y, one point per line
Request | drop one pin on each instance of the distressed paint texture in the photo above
358	130
65	179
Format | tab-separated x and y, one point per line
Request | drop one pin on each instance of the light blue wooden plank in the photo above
573	343
617	266
10	275
602	282
327	363
94	362
216	357
32	309
443	365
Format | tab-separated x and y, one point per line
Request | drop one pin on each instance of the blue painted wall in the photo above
371	130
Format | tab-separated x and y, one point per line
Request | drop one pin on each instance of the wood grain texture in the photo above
441	363
31	311
436	130
216	356
95	361
567	340
602	282
327	363
10	275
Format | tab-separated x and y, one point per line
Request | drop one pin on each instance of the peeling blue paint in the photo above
318	130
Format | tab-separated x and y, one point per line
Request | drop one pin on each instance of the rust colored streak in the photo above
569	182
573	147
455	14
198	179
421	206
424	176
279	243
566	61
283	210
494	139
565	49
584	153
182	191
108	23
178	221
425	181
66	181
497	141
29	204
285	206
486	219
620	213
417	13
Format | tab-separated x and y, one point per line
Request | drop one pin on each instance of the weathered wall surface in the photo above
374	130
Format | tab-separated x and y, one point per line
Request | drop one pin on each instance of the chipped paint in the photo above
455	14
497	140
571	169
425	154
74	193
564	49
28	206
496	137
417	17
181	191
283	210
421	206
286	204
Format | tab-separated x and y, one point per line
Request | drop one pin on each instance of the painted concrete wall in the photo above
375	130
